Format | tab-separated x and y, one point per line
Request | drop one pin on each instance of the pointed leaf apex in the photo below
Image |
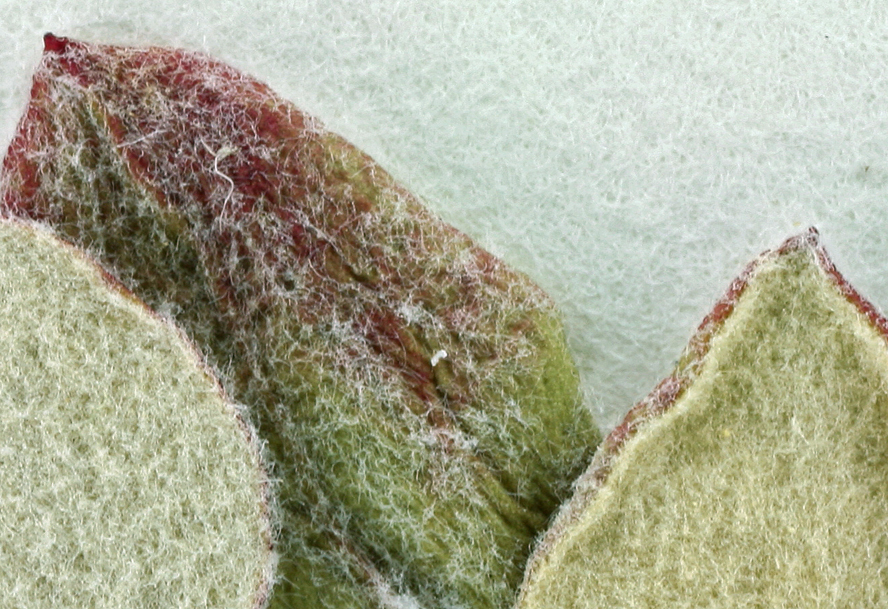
55	44
756	471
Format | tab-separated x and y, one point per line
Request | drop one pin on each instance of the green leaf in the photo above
756	475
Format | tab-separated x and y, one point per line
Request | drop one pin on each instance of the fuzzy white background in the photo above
631	155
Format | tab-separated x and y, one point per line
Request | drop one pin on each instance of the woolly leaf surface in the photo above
327	295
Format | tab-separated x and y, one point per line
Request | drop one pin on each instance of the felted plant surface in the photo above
127	477
416	394
756	475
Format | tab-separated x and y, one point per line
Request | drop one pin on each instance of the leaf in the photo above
416	394
127	477
756	475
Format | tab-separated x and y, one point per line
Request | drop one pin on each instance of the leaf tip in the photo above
54	44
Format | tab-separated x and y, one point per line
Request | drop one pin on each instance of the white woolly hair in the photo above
416	394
